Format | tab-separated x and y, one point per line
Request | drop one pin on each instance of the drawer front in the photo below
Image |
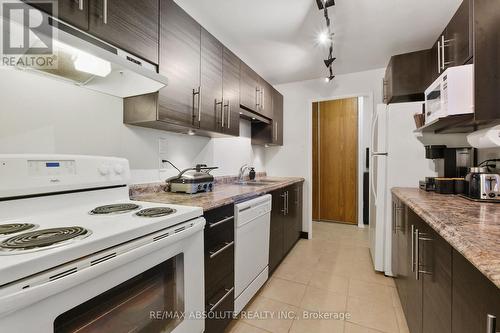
220	308
219	229
218	266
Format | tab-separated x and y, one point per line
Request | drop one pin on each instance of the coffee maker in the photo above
454	165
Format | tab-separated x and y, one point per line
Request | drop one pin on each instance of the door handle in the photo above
257	96
227	219
105	11
417	255
287	203
228	110
491	324
196	94
284	203
80	4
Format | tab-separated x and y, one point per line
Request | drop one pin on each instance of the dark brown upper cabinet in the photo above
128	24
277	123
407	76
230	122
180	63
74	12
211	105
266	99
249	88
486	18
454	46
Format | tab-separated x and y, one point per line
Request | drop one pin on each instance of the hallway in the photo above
331	274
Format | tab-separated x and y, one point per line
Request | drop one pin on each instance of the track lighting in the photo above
322	3
323	38
331	76
329	61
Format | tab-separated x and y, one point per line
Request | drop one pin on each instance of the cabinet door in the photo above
249	81
486	59
435	61
474	297
436	263
458	37
404	257
128	24
211	105
231	93
277	118
414	294
74	12
276	241
180	63
266	100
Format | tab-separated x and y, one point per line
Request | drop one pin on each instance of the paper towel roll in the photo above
485	138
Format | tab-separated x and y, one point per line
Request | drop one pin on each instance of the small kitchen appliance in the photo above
482	185
451	94
193	180
76	254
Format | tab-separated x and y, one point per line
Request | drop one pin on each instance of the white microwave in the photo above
451	94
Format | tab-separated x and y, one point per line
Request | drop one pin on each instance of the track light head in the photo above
329	61
325	3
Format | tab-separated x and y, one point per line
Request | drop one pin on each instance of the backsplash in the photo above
41	115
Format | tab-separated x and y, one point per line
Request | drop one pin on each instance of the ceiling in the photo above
278	38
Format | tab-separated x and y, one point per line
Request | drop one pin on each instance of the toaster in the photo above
484	186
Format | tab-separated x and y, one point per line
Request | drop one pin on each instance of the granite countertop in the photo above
223	193
472	228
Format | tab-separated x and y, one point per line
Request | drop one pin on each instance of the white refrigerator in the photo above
397	160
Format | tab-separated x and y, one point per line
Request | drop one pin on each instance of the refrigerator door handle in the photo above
373	177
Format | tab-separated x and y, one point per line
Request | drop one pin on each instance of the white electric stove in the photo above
77	255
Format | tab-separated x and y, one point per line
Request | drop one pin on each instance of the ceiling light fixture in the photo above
327	37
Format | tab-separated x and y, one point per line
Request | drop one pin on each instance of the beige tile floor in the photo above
332	274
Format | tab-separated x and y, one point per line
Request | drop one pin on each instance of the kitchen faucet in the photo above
242	172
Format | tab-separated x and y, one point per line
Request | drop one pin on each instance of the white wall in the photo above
292	158
41	115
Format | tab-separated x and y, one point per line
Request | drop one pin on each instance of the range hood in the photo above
89	62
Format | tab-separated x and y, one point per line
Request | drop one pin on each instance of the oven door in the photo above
157	287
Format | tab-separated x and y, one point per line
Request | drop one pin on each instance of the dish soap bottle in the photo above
251	174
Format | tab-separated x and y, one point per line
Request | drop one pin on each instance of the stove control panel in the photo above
22	175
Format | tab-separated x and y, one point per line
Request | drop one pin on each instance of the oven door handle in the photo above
226	295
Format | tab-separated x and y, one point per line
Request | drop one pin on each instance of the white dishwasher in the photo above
251	259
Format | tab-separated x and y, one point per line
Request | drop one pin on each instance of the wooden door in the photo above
180	63
211	83
231	93
458	37
248	87
130	25
336	152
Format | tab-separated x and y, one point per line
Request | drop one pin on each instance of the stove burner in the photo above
12	228
155	212
114	209
43	238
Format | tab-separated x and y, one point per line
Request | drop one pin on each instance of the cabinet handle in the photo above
276	132
417	255
413	248
221	111
491	324
213	225
80	4
226	295
224	248
439	57
196	93
284	203
287	203
257	95
199	104
263	98
105	11
228	114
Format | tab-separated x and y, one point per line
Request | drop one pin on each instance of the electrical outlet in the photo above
162	146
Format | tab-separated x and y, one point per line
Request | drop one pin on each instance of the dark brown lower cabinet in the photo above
474	298
286	222
440	290
219	268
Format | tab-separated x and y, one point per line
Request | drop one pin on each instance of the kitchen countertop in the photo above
222	194
472	228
